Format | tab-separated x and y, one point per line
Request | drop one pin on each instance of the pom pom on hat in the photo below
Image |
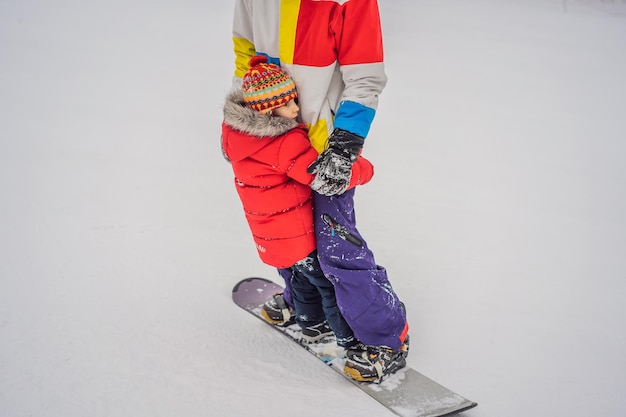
265	86
256	60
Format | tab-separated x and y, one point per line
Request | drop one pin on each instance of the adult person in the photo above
333	50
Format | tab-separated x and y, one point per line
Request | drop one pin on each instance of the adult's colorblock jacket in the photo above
333	49
269	156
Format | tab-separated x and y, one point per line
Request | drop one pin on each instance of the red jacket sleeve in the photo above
295	156
362	172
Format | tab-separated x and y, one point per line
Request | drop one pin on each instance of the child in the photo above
270	152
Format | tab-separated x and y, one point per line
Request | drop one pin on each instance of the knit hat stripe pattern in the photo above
266	86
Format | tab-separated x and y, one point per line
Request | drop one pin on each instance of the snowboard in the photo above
406	393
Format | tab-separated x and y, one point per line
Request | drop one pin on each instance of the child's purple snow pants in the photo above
364	294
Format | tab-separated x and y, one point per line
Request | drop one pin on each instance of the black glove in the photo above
334	166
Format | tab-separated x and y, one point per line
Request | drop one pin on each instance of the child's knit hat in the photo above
265	86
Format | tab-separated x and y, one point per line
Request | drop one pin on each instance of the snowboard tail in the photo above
406	393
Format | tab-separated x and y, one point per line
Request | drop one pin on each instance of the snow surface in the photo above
497	207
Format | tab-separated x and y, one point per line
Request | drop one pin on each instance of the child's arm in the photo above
296	154
362	172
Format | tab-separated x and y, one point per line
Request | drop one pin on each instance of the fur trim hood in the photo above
251	122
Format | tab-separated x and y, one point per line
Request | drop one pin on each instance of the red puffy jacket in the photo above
269	156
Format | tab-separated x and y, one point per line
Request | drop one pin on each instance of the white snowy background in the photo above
498	208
